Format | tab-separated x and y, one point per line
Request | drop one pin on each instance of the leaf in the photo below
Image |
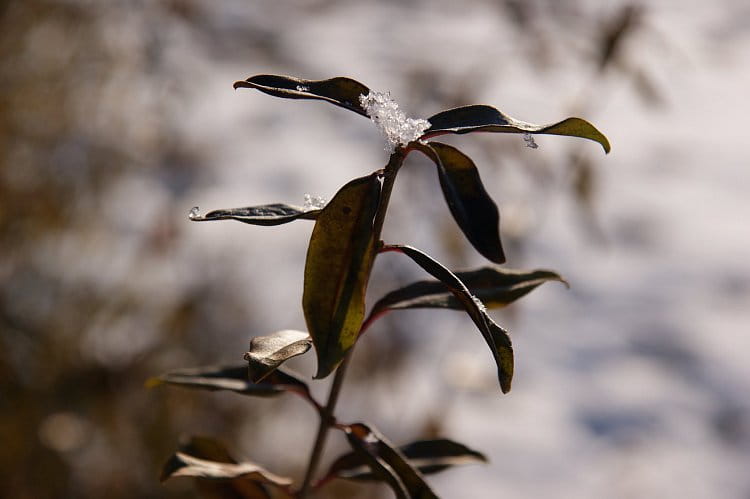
213	450
340	91
495	336
495	287
427	456
471	206
387	462
339	260
269	352
481	118
233	378
181	464
267	214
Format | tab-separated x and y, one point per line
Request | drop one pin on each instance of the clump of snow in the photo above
314	202
397	129
303	88
195	212
529	139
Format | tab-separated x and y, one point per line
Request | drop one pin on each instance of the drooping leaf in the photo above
427	456
495	336
235	379
481	118
471	206
495	287
269	352
387	463
267	214
210	449
181	464
339	260
341	91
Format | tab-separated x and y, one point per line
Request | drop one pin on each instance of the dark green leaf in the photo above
428	456
340	91
269	352
481	118
339	260
495	336
233	378
495	287
471	206
181	464
268	214
387	462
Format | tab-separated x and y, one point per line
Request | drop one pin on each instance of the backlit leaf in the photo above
269	352
495	287
341	91
495	336
181	464
268	214
471	206
481	118
233	378
387	462
427	456
339	260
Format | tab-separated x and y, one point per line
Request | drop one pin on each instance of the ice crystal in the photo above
195	212
302	88
314	202
529	139
479	303
397	129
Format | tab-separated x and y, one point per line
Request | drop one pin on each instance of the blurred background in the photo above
117	117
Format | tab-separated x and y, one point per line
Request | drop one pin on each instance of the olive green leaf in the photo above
387	463
481	118
268	214
339	261
427	456
269	352
495	336
234	379
341	91
494	286
471	206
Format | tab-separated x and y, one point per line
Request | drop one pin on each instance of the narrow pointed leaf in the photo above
471	206
233	378
495	336
181	464
387	462
211	449
340	91
427	456
268	214
481	118
339	260
269	352
495	287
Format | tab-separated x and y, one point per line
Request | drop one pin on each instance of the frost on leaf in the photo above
529	139
397	129
314	202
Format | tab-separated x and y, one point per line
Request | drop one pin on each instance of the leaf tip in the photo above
153	382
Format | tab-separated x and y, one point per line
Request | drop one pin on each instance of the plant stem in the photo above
326	414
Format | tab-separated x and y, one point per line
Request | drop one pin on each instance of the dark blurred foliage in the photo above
91	304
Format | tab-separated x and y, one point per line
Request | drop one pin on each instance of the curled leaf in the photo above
268	214
181	464
495	336
337	269
471	206
387	463
269	352
481	118
340	91
427	456
233	378
494	286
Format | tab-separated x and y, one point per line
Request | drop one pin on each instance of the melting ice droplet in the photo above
195	212
397	129
529	139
